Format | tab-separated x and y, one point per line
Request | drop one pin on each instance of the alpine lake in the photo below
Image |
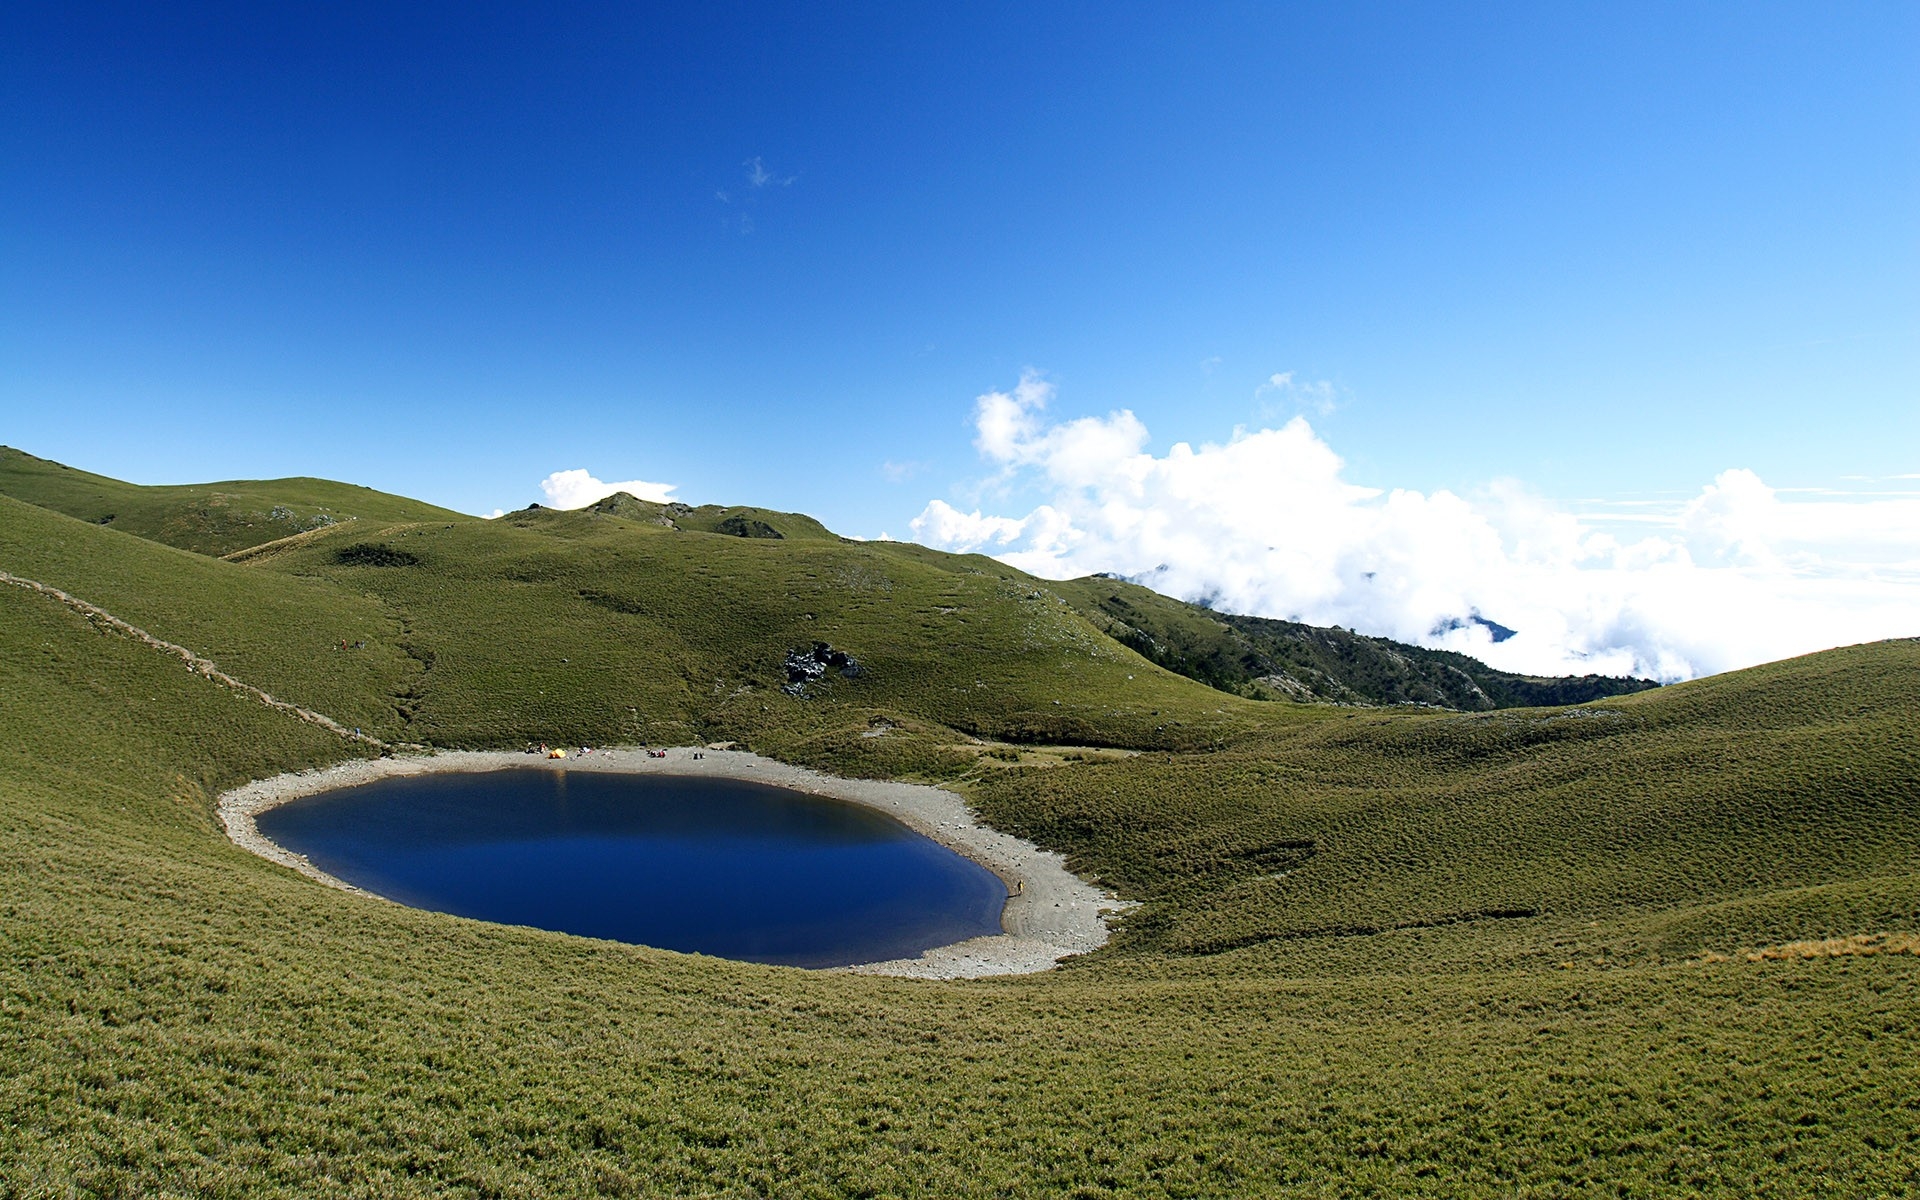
722	867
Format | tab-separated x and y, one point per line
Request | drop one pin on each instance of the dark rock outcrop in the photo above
746	527
806	666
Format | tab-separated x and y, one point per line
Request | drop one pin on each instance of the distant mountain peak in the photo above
1500	632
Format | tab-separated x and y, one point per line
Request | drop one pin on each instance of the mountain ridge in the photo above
1267	658
248	520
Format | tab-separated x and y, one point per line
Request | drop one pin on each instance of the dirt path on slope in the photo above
199	666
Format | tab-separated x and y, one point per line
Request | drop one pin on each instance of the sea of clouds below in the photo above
1266	524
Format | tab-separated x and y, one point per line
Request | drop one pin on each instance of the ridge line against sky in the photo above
1266	523
1619	253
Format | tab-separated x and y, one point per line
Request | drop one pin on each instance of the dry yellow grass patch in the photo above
1857	944
1003	754
292	541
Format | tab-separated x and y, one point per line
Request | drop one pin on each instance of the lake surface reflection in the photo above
722	867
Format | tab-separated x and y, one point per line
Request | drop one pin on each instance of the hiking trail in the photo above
196	664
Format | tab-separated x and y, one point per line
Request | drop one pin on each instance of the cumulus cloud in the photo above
1266	522
578	488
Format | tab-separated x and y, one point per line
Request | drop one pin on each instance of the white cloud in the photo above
578	488
758	176
1267	523
1282	391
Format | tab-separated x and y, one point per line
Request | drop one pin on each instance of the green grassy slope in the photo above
1787	777
208	518
249	521
277	631
1330	986
580	626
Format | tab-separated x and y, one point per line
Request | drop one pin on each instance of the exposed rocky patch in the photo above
746	527
808	666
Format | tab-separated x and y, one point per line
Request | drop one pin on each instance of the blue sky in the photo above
771	255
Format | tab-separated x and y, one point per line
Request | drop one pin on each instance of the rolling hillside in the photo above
209	518
1652	944
255	520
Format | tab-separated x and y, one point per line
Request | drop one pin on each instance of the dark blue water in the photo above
721	867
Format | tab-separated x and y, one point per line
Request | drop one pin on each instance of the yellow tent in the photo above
556	754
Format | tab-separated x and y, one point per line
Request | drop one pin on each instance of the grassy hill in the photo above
1542	952
209	518
714	518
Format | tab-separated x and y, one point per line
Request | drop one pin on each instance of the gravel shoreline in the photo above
1050	914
